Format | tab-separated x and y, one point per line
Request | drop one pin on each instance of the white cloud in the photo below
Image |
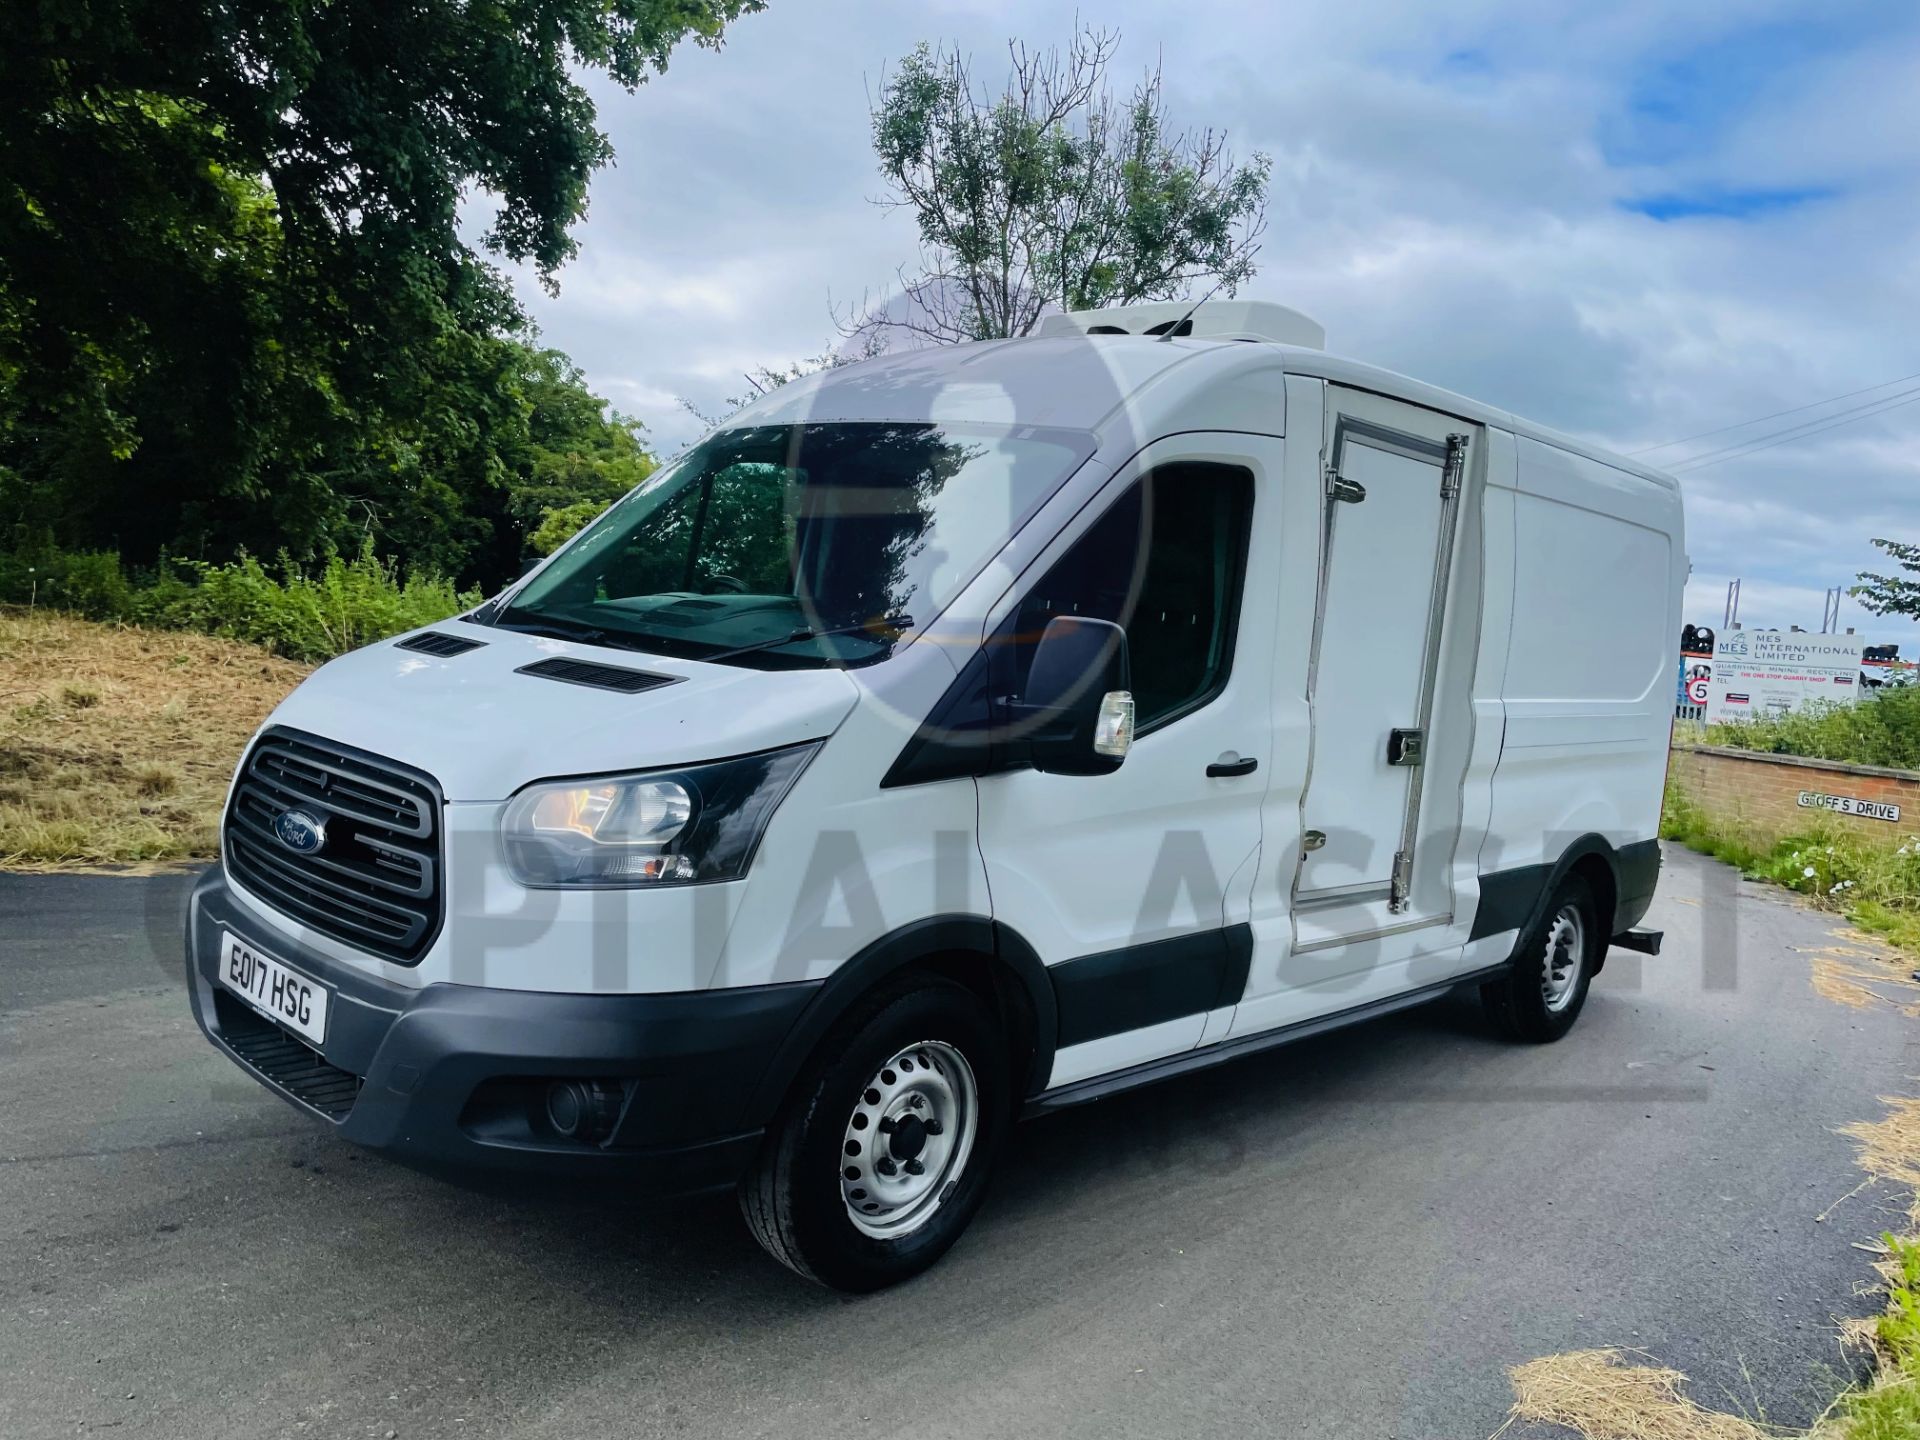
1451	192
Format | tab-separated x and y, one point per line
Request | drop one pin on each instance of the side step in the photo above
1647	942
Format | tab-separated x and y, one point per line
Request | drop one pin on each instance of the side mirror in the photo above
1078	705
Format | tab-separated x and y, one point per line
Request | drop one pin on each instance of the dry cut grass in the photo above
1890	1147
1862	972
116	743
1601	1395
1609	1395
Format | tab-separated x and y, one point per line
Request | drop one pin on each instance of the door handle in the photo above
1313	840
1228	769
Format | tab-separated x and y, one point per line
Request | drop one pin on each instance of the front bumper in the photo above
452	1078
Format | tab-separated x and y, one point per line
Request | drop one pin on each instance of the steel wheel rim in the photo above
1566	954
908	1139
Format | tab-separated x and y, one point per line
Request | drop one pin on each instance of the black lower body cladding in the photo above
454	1078
1511	899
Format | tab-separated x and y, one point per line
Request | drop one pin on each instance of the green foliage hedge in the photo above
1882	729
561	524
304	615
242	303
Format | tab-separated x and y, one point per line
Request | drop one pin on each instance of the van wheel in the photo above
882	1153
1541	995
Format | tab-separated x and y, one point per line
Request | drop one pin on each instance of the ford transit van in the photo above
951	737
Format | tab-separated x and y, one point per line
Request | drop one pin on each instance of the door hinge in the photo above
1455	466
1402	881
1340	488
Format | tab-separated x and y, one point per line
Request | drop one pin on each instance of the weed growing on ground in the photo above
1875	886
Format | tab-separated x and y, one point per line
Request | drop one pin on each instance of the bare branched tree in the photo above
1052	192
763	380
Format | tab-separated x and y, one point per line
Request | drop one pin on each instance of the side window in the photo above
1166	561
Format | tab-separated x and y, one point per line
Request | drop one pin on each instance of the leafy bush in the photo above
561	524
305	616
1882	729
87	582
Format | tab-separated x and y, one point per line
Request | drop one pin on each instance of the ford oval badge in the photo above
300	832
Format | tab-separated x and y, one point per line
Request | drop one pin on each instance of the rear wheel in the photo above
1542	994
882	1153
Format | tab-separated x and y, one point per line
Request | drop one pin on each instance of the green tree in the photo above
1892	594
1053	191
561	524
236	303
507	433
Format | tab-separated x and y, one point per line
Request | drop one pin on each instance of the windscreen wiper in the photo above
557	627
554	628
898	624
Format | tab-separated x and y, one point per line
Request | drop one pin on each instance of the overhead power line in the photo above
1819	422
1762	419
1895	401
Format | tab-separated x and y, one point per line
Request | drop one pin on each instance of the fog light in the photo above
583	1110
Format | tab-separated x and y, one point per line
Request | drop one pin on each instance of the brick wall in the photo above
1761	792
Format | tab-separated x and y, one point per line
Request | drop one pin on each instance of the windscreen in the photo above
798	545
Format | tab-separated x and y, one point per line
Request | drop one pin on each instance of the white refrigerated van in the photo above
954	736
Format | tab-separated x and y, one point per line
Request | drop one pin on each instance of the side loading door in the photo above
1134	887
1361	847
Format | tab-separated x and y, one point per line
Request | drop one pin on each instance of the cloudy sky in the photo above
1633	221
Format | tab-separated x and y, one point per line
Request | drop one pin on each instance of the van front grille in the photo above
373	881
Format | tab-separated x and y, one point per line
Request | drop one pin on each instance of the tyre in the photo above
1542	993
882	1152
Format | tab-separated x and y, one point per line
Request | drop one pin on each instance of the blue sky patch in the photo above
1469	61
1675	108
1724	204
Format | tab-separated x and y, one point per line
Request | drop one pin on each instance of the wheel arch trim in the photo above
1007	959
1516	899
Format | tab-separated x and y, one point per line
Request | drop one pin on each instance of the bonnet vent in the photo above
435	642
600	677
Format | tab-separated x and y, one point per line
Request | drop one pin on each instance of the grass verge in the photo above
1889	1409
116	743
1609	1394
1876	887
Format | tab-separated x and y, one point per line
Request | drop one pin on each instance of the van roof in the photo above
1078	382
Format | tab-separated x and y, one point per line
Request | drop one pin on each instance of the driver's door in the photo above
1133	887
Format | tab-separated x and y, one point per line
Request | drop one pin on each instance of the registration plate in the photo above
283	995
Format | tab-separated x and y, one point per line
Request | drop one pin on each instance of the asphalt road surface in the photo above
1356	1236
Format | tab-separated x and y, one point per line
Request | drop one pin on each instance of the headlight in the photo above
700	822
